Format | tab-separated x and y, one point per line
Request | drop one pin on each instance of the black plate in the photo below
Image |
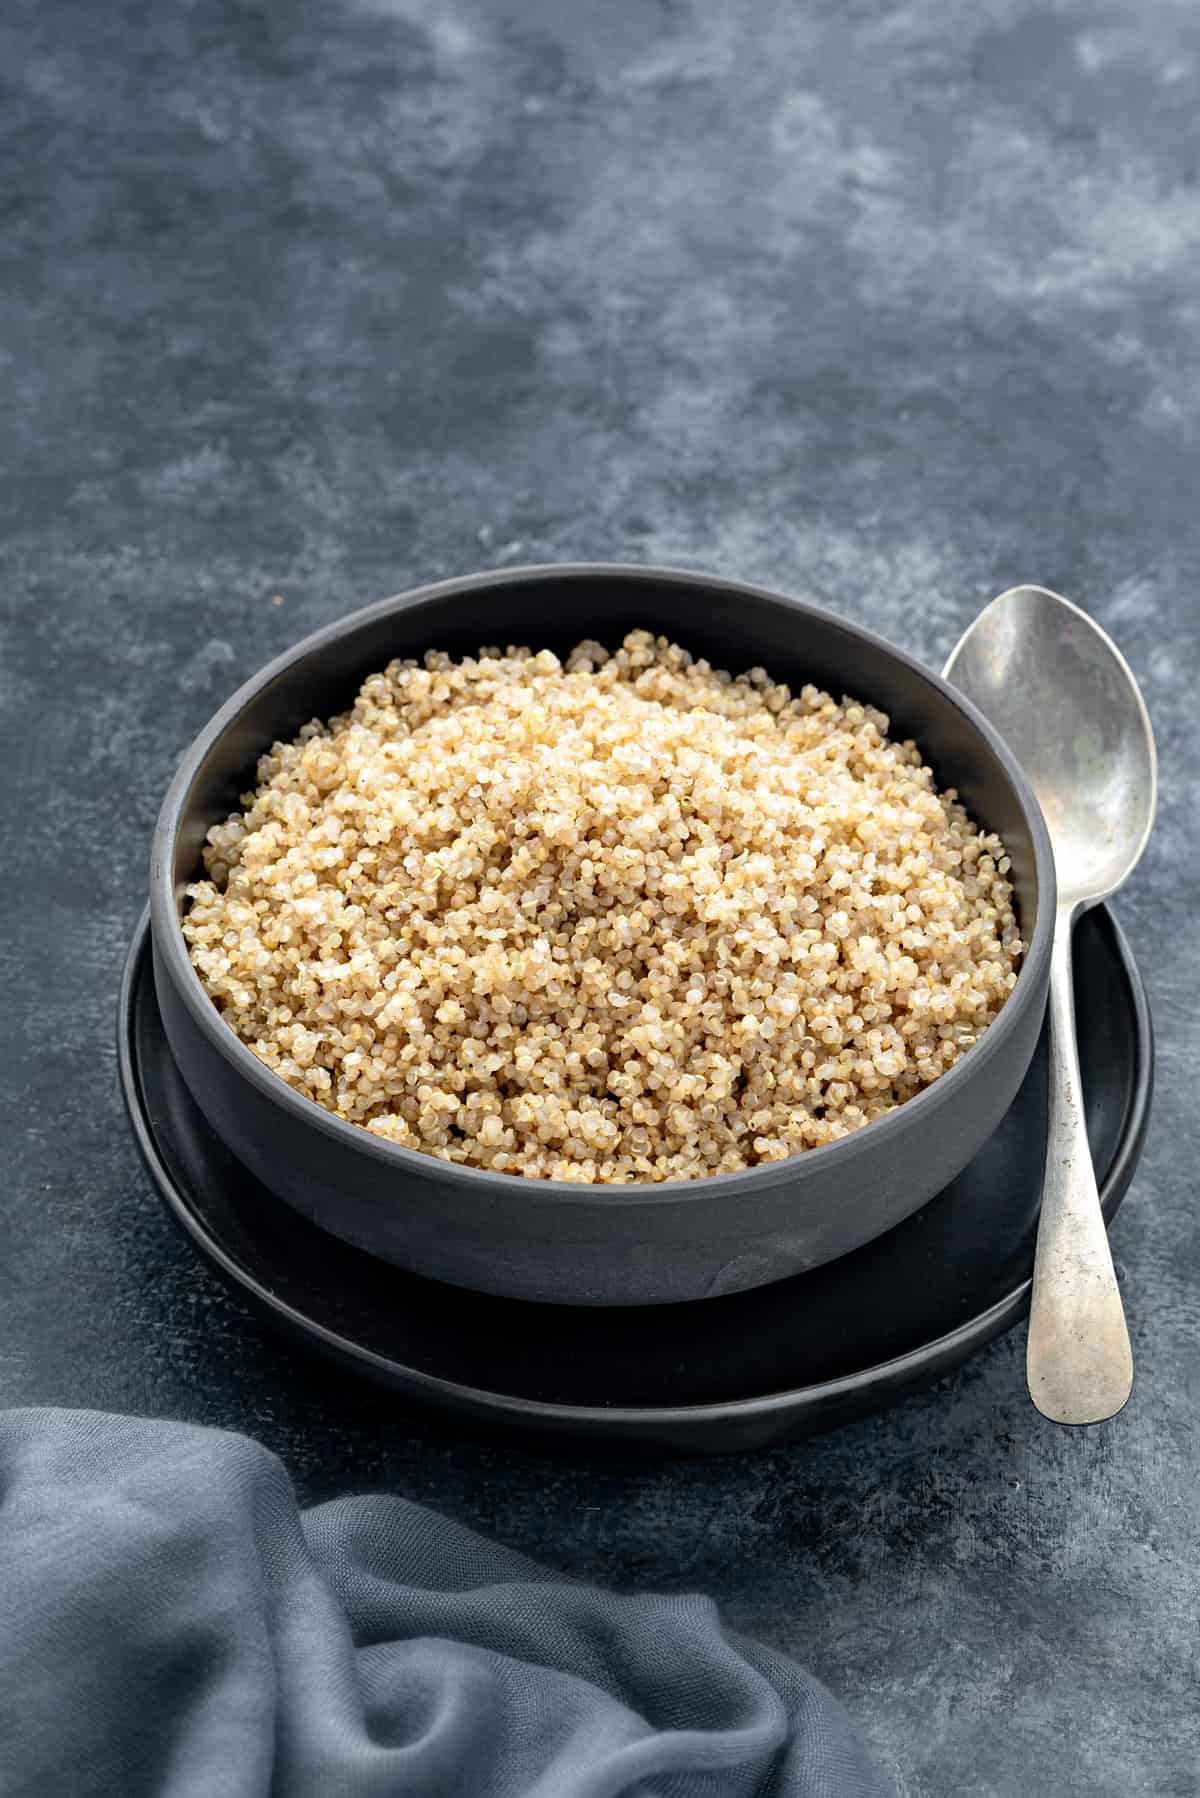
728	1373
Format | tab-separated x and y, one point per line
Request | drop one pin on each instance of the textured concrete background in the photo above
301	304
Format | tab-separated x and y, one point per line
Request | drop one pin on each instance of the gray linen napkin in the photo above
171	1624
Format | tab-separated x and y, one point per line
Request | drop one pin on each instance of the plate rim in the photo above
945	1351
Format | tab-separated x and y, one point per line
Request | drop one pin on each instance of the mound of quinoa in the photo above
620	919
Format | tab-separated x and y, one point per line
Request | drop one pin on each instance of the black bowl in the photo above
554	1240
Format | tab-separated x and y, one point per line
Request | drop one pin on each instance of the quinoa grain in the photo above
623	919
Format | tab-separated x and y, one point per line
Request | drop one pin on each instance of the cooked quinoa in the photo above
622	919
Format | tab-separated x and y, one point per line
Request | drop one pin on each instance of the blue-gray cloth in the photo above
172	1626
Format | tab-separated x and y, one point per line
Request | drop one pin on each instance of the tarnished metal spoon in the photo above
1060	691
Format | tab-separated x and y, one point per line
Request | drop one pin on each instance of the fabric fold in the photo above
175	1627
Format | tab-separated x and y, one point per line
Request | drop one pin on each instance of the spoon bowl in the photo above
1064	696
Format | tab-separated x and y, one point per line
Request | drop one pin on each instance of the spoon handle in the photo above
1078	1361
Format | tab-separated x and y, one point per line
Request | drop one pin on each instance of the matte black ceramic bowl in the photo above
553	1240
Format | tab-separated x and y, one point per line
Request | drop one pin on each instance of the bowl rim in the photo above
915	1113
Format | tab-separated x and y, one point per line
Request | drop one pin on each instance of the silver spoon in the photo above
1062	694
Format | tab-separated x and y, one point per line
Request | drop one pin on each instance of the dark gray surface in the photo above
300	305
